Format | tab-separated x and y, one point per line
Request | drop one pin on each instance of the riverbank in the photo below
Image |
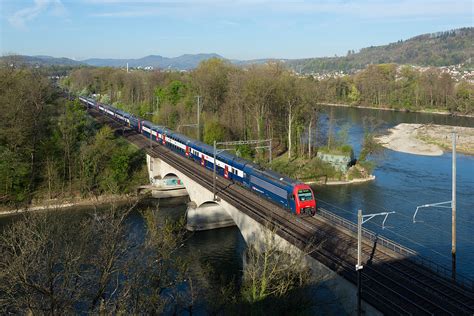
427	139
342	182
398	110
61	204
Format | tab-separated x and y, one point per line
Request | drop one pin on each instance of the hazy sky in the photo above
241	29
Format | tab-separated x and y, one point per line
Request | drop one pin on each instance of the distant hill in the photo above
44	60
435	49
183	62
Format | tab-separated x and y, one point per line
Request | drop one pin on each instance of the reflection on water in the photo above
219	250
405	181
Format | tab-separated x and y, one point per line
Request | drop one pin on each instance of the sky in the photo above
235	29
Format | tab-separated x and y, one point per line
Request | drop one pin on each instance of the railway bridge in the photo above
395	280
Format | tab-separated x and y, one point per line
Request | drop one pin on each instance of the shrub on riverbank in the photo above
315	169
305	169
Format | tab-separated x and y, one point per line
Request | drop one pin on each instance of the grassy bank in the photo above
316	170
305	169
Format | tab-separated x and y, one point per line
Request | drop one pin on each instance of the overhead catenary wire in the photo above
401	214
393	232
410	201
415	204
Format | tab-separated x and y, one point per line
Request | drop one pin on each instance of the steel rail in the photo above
460	300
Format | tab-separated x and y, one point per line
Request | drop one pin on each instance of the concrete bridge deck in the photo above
393	283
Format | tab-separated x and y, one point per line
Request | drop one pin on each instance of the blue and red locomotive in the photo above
288	193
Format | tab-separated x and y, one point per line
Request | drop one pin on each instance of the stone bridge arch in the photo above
208	215
203	212
170	175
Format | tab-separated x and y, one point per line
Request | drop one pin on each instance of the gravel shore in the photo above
427	139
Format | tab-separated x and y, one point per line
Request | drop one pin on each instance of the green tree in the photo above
26	98
94	158
354	94
464	98
211	81
214	131
71	129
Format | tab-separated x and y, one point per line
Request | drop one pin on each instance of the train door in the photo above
203	161
139	126
226	172
164	139
187	151
292	203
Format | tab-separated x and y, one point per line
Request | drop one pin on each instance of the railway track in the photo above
394	286
425	282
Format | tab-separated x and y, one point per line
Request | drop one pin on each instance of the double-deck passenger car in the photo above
293	195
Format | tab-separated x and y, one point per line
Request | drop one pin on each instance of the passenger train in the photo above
295	196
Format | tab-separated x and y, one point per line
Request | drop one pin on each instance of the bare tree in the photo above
273	273
50	265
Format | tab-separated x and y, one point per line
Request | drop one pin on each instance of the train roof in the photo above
207	149
123	113
183	138
279	177
230	157
156	128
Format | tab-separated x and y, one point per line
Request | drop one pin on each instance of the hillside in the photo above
42	61
436	49
183	62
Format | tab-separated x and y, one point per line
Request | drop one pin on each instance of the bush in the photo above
369	147
304	169
214	131
245	151
369	166
340	150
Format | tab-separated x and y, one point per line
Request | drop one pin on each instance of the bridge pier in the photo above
202	213
207	216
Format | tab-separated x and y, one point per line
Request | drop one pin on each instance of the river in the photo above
403	182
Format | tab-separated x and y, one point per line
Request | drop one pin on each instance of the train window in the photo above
305	195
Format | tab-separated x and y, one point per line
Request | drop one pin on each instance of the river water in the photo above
403	182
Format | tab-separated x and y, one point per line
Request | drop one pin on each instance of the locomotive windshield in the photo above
305	195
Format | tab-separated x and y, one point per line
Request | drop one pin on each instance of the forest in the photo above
50	147
266	101
451	47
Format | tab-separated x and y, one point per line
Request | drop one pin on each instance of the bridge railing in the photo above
410	254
